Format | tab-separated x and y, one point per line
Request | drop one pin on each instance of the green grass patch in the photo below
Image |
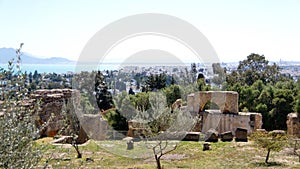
113	154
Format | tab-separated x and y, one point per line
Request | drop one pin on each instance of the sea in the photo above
61	68
75	68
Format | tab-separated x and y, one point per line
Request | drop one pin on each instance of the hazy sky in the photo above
235	28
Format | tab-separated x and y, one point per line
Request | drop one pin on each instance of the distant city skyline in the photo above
234	28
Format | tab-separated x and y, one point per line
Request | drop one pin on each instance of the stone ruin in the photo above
50	109
137	129
226	100
49	118
52	102
293	124
228	118
225	121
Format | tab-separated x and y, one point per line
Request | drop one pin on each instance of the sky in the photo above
235	28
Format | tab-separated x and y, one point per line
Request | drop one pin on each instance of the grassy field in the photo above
113	154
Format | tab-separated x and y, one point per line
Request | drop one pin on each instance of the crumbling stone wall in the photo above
52	102
226	100
230	122
227	119
49	116
95	127
293	124
137	129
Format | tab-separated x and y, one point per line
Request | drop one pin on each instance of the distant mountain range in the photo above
6	54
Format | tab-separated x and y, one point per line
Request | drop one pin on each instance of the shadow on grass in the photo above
270	164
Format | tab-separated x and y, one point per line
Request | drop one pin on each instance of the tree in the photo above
83	82
172	94
85	104
282	102
141	101
131	92
173	81
202	85
116	120
156	82
272	141
263	89
254	68
71	125
36	75
18	131
193	71
127	108
114	116
165	126
103	96
160	149
298	104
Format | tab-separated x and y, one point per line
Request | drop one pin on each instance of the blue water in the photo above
61	68
73	67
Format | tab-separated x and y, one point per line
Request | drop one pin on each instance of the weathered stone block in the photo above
192	136
226	136
95	127
130	144
226	100
212	135
293	124
206	146
241	135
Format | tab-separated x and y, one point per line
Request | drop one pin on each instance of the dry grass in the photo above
104	154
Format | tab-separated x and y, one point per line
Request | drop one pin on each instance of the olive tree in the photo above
271	141
18	131
167	128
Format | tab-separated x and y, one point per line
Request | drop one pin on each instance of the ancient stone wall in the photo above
230	122
95	127
293	124
49	117
227	118
226	100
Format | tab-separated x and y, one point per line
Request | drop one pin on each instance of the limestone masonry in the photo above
293	124
226	100
226	119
